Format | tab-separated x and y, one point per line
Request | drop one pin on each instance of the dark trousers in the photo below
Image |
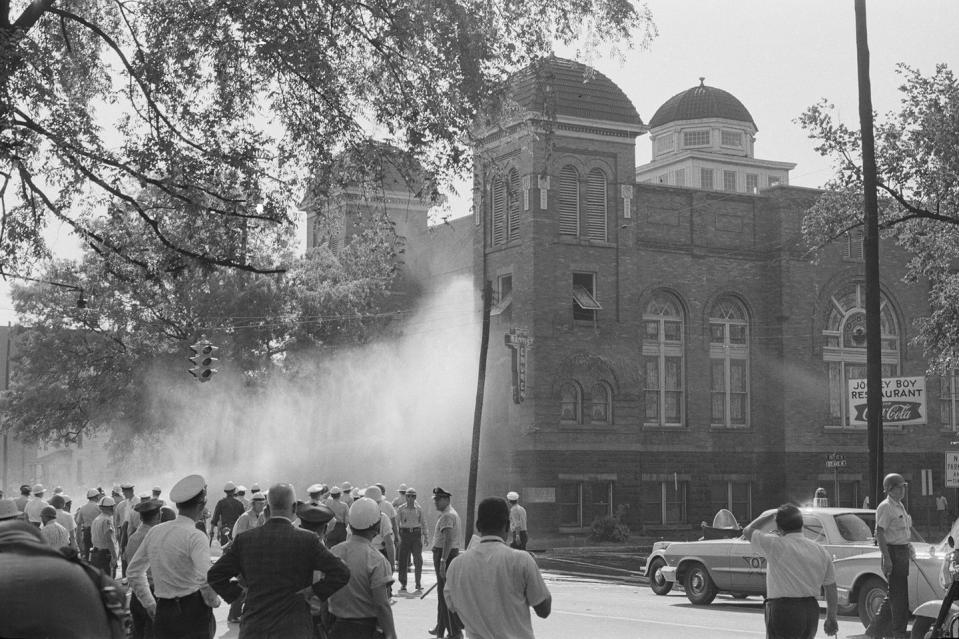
362	628
142	624
520	538
445	619
894	611
411	544
336	535
236	608
85	542
102	559
792	618
184	618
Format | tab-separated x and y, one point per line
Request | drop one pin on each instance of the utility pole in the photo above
478	414
871	257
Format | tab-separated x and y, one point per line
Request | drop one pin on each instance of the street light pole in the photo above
871	258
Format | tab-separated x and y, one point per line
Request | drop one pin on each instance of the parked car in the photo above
860	580
732	565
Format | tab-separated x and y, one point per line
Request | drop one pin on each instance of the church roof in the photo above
699	103
557	86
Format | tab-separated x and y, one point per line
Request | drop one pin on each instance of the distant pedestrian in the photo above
364	604
104	551
337	529
317	493
384	541
492	587
178	556
893	534
149	513
315	519
84	518
65	519
347	488
24	497
942	510
157	491
797	570
518	531
35	505
820	500
52	531
125	527
277	562
225	514
447	541
251	518
400	498
241	495
411	522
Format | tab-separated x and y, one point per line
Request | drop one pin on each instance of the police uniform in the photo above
449	519
103	538
412	526
84	518
896	524
142	624
337	532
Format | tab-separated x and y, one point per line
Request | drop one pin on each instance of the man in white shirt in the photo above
52	532
65	519
35	504
797	568
893	533
517	522
492	586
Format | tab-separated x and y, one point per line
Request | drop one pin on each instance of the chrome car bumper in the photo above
668	573
843	596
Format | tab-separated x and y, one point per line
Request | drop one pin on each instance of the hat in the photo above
38	489
315	488
58	490
126	486
335	490
93	492
259	497
116	490
255	488
241	488
374	493
229	486
347	487
411	492
355	493
439	492
512	496
107	502
8	509
187	488
148	506
401	489
313	514
145	495
49	511
67	499
157	489
364	513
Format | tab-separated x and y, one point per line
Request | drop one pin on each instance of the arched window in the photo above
663	361
569	201
600	397
513	206
844	344
729	363
596	205
571	403
498	231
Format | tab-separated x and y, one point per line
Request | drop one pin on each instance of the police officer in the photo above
893	532
337	531
103	537
447	540
84	518
225	514
411	521
149	513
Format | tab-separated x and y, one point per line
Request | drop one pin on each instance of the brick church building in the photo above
663	343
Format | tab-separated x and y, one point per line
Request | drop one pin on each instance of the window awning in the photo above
585	300
502	305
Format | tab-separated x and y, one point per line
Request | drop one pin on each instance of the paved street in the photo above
585	607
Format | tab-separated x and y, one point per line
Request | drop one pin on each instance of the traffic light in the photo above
203	360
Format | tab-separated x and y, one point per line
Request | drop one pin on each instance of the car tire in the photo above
921	626
700	589
871	593
656	582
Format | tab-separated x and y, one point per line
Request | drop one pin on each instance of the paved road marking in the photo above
711	629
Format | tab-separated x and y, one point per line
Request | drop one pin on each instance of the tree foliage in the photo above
917	164
225	109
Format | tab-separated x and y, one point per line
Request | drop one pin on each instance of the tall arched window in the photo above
729	363
600	411
663	361
513	206
498	232
596	205
844	344
569	201
570	403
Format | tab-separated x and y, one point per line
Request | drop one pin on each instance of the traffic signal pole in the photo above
871	258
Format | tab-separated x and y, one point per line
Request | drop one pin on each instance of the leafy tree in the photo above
225	110
918	181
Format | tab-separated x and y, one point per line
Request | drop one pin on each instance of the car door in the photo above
749	564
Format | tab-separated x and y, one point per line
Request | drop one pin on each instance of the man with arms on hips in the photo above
178	556
893	532
797	569
447	540
491	586
517	522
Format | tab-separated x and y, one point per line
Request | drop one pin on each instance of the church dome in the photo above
700	103
557	86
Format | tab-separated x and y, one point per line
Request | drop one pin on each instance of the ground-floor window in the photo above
581	502
734	496
663	502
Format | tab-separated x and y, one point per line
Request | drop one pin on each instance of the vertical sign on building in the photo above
952	470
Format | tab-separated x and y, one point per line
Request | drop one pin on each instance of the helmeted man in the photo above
84	518
225	514
517	522
148	511
35	505
893	535
104	551
384	541
337	529
241	495
400	496
411	522
178	556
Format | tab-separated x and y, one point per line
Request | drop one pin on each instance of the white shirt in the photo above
796	565
33	508
895	522
517	518
492	586
55	534
178	556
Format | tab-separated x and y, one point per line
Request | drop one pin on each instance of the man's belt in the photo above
411	529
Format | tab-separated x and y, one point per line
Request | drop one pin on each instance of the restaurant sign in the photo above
903	401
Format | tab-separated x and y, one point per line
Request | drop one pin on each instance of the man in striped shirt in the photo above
52	532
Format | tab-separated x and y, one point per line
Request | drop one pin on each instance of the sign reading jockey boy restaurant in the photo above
903	401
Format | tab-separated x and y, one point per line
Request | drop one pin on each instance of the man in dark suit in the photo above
276	562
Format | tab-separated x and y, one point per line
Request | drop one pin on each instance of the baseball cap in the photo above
402	488
411	492
364	513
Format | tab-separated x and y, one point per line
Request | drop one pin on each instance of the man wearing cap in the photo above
337	532
491	586
149	512
447	540
364	603
316	492
35	505
893	534
65	520
178	556
517	522
225	514
241	496
84	518
347	489
24	497
52	532
103	537
411	521
122	512
156	492
400	497
277	561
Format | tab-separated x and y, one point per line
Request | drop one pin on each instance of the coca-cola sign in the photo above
903	401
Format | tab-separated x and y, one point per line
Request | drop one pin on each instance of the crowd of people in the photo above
321	567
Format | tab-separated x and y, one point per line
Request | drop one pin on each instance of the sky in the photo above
777	56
